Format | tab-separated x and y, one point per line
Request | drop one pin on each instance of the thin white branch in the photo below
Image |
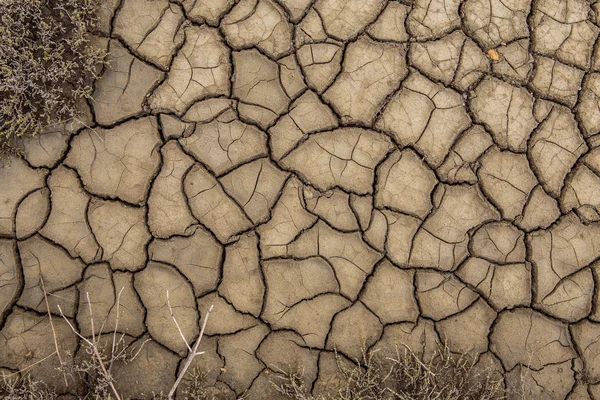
192	353
177	324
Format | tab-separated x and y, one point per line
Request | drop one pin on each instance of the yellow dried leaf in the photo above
493	54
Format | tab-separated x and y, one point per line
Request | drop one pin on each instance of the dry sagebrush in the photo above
400	374
47	63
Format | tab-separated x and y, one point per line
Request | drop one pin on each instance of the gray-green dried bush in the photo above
399	374
47	63
18	387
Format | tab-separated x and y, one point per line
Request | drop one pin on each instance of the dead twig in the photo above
60	361
94	346
192	352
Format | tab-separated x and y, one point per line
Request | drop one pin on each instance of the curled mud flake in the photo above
207	11
256	84
561	251
426	115
17	180
503	286
9	277
200	69
430	19
495	22
198	257
43	261
225	143
211	205
255	187
554	148
151	29
507	179
564	32
556	81
390	26
345	19
527	337
514	62
119	162
121	90
405	184
67	223
260	23
389	294
152	284
168	212
344	158
320	63
507	111
122	233
307	115
441	295
242	283
370	72
366	331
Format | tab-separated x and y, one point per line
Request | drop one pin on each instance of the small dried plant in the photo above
47	63
401	374
16	387
96	369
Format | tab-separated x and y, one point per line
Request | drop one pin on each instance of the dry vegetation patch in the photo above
47	63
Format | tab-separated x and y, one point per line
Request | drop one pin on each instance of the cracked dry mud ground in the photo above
329	174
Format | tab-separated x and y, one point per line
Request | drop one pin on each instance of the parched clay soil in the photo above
329	174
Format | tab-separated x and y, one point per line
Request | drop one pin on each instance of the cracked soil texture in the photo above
329	174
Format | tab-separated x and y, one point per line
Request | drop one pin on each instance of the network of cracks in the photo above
329	174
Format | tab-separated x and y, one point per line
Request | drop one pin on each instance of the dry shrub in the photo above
47	63
401	375
14	387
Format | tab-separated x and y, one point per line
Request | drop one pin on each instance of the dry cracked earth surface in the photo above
329	174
